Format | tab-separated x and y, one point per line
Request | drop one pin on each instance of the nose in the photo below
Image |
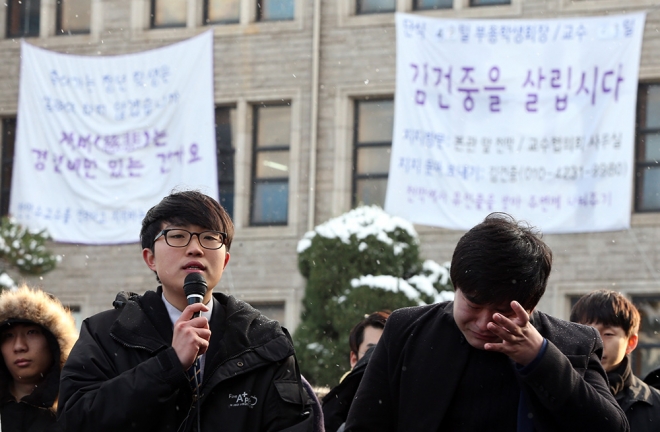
195	245
20	344
485	316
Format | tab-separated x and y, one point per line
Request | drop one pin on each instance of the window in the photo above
374	6
73	17
8	141
221	11
225	138
168	13
647	355
22	18
373	144
647	166
77	316
489	2
270	164
433	4
275	10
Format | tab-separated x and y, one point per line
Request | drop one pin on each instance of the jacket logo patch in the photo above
242	400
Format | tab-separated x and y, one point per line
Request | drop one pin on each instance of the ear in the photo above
353	359
632	343
226	260
149	258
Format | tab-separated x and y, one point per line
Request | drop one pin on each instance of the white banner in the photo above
535	118
102	139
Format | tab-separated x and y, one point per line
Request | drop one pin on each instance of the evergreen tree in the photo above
24	250
356	264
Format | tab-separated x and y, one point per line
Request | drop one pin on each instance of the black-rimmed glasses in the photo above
179	238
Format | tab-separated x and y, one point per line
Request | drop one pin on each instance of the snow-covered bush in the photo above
356	264
25	249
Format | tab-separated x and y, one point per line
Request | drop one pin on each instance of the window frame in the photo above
640	147
205	15
152	18
22	16
417	8
58	21
254	181
636	355
7	162
230	154
473	5
358	12
355	177
259	13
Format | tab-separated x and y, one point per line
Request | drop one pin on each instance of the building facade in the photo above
304	108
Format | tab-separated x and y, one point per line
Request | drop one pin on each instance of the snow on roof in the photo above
361	222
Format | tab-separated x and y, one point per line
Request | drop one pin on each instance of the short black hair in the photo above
608	308
501	260
186	207
376	320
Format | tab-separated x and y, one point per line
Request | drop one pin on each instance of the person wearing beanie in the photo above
36	336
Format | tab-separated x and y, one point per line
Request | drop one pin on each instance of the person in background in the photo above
132	368
488	361
363	338
36	335
617	320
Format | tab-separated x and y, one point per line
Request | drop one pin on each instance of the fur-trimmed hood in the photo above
43	309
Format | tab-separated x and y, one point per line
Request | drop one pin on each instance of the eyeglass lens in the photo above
181	238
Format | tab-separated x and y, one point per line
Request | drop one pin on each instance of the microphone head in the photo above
194	283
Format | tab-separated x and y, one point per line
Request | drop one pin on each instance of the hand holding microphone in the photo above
192	334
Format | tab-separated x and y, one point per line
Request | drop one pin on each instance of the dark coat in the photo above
338	401
419	360
123	374
33	413
641	403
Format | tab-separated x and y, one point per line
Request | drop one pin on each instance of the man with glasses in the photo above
131	369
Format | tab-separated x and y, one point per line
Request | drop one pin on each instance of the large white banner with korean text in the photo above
530	117
102	139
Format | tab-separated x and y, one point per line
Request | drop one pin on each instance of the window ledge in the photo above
461	10
58	42
645	219
265	232
237	29
603	5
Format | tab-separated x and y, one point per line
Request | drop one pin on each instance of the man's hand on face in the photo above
191	336
520	340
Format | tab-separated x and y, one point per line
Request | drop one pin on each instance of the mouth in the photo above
485	337
194	267
22	362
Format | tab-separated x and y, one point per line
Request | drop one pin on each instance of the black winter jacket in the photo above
338	400
123	374
641	403
33	413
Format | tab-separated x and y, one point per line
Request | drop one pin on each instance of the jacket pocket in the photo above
292	392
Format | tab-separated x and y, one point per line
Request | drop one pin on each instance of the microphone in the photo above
195	287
